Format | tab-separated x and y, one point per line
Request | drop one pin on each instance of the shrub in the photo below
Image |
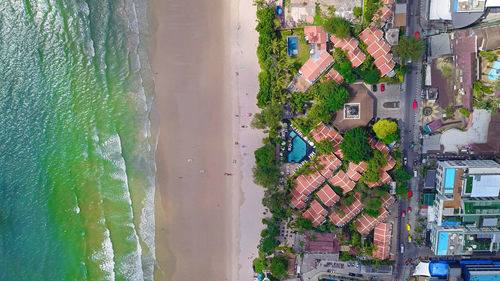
465	112
409	48
278	266
268	244
324	147
337	26
357	11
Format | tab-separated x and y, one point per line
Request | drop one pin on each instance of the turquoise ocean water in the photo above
77	150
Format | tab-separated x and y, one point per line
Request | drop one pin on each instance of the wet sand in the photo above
193	216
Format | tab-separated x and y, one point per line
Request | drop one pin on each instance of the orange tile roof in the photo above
316	213
350	45
315	34
353	175
306	184
385	14
365	223
330	164
315	65
328	196
360	167
390	163
350	212
324	132
299	204
378	49
342	180
381	239
335	75
384	178
388	200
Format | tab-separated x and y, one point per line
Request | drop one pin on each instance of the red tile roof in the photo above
325	242
330	164
381	239
316	213
315	65
350	45
299	204
385	14
306	184
342	180
350	212
390	163
328	196
365	223
335	75
360	167
386	201
315	34
378	49
388	2
353	175
324	132
384	178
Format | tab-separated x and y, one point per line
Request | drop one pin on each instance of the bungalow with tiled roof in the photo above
311	70
329	164
365	223
353	175
342	180
316	213
387	200
349	45
325	132
348	212
360	167
328	196
384	179
306	184
382	240
378	49
383	14
315	35
335	75
298	199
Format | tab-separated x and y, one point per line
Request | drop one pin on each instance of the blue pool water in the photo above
298	149
494	72
442	243
292	134
449	178
292	45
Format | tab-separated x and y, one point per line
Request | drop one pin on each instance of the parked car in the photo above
374	88
402	248
412	144
417	34
351	274
409	238
408	227
405	161
403	214
408	261
410	194
415	105
409	210
382	87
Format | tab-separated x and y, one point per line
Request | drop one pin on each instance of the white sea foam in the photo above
105	257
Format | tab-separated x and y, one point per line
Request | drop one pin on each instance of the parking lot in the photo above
388	101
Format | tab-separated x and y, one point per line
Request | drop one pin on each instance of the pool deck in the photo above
310	149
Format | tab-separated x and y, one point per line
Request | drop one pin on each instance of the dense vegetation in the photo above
386	130
266	172
372	173
338	27
355	146
409	48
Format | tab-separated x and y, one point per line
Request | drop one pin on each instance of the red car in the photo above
403	214
415	104
410	194
382	87
417	34
409	210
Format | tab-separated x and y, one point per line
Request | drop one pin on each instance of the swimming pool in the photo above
449	178
298	149
292	45
495	71
442	243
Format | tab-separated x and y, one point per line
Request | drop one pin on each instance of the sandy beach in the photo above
205	67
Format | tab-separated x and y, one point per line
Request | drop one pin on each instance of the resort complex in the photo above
381	159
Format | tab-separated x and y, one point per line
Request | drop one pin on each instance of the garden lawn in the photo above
303	56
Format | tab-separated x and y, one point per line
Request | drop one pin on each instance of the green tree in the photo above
337	26
338	190
297	101
259	264
357	12
268	244
324	147
339	55
401	175
345	69
490	56
372	173
278	266
266	172
303	223
409	48
371	7
269	119
386	130
355	146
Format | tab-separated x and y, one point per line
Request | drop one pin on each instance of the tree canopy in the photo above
386	130
268	244
372	173
409	48
266	172
355	146
324	147
337	26
330	97
269	118
278	266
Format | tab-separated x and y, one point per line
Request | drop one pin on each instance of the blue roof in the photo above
438	269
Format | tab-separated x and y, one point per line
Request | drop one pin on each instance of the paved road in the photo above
410	133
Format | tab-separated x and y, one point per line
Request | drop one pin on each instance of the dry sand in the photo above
207	224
